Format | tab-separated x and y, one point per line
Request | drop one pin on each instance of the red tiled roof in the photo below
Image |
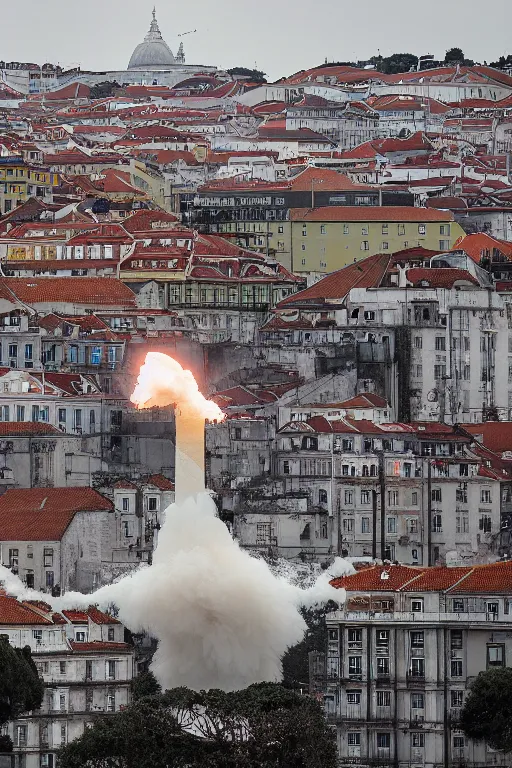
367	400
481	244
370	579
370	213
76	617
73	290
100	617
125	484
492	579
43	514
99	645
439	278
496	435
26	428
13	612
366	273
161	482
144	221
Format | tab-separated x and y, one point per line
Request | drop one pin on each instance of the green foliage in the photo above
21	689
263	726
503	61
487	711
145	684
296	659
104	90
397	62
456	56
255	75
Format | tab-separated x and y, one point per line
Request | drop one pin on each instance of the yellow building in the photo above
20	181
326	239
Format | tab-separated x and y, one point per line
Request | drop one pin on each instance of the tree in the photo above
487	711
145	684
456	56
21	688
104	90
256	75
396	63
263	726
296	659
503	61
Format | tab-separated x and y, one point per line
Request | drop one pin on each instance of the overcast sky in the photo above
278	36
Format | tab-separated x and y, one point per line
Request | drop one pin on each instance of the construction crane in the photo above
191	32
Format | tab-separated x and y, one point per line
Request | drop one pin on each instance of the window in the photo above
111	634
62	702
28	351
348	525
355	666
485	523
436	494
437	524
92	421
401	229
111	702
458	605
49	579
127	529
417	701
458	742
417	739
322	496
126	504
355	635
412	525
495	656
353	697
364	230
152	504
20	413
417	667
95	355
21	735
444	229
417	605
346	229
461	495
383	740
37	634
111	669
393	498
422	229
88	669
365	525
77	418
322	229
354	739
456	669
349	497
485	496
455	639
365	497
48	557
383	698
80	637
382	666
365	245
286	467
382	638
456	698
439	371
14	558
62	667
440	343
391	524
417	639
384	245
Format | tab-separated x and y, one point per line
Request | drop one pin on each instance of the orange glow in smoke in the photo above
162	381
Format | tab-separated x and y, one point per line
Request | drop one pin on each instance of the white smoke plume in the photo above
221	617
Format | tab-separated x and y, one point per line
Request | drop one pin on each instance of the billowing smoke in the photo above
221	618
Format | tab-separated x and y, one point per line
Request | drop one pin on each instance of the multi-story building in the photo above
86	667
259	214
19	181
432	332
348	124
401	653
56	539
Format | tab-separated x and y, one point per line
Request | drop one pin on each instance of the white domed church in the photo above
153	53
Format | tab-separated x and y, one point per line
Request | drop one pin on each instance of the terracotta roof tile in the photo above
496	435
99	645
102	291
44	514
371	580
161	482
12	612
27	428
439	278
100	617
385	213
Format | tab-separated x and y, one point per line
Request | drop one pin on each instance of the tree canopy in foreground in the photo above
487	711
263	726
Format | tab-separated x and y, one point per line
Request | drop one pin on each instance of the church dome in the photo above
153	53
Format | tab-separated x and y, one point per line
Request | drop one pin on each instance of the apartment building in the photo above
86	667
402	651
